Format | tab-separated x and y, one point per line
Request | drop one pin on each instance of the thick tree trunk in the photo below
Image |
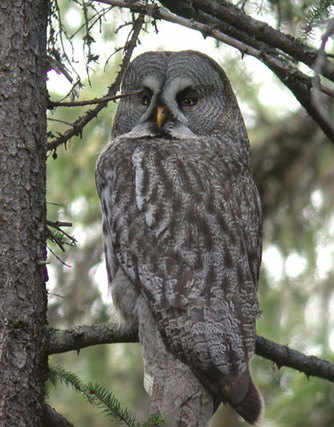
23	343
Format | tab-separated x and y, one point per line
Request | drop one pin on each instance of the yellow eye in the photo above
145	100
187	101
146	96
187	98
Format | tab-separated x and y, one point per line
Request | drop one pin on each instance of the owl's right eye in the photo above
187	98
146	97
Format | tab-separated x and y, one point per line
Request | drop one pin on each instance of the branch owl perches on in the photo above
182	234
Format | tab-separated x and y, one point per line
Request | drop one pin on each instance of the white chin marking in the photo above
180	131
140	131
176	130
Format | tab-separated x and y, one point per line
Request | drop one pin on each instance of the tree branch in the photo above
102	100
316	98
259	31
84	336
282	355
208	24
301	86
247	43
81	122
53	419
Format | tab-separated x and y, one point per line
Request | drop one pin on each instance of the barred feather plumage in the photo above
182	225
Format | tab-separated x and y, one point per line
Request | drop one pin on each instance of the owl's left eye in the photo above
187	98
146	97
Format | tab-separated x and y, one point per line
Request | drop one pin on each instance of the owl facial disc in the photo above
163	114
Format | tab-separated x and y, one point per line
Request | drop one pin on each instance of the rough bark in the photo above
23	343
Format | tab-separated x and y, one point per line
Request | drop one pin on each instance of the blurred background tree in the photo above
293	167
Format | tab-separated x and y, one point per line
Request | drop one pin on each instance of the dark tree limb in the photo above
53	419
282	355
83	336
272	41
260	31
302	86
79	337
257	39
317	100
81	122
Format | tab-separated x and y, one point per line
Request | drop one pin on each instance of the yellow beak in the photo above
162	114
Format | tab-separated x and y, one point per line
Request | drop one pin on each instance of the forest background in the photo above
292	160
293	166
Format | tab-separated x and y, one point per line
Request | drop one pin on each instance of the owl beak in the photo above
162	114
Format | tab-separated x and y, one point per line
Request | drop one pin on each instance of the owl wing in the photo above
185	226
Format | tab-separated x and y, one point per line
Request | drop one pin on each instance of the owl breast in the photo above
170	206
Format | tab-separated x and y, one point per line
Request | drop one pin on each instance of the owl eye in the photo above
146	97
187	98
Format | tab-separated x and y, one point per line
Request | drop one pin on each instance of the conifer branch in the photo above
99	397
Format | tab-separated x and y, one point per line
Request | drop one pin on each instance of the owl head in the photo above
180	94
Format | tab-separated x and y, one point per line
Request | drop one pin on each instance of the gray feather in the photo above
182	228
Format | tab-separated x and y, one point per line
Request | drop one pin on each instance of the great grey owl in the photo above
182	230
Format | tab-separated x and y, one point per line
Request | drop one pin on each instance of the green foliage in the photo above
302	17
59	374
101	398
316	397
315	11
294	164
58	237
110	406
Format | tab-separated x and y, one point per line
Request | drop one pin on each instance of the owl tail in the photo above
244	397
